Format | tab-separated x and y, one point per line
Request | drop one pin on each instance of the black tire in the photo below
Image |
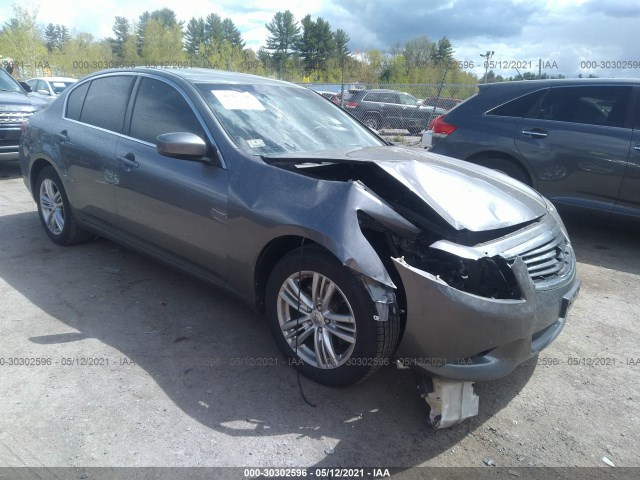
507	167
373	122
55	210
373	341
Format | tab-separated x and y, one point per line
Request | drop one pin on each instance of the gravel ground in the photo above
185	375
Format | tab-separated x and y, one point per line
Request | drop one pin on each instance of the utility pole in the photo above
487	56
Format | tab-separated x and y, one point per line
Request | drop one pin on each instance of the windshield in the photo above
59	86
272	120
7	83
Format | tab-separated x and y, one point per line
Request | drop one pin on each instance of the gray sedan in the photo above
355	249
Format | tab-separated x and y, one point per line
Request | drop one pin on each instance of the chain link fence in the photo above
398	111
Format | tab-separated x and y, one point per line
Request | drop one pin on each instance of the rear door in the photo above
175	207
578	144
629	198
93	121
393	110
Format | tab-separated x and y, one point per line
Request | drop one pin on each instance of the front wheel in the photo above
55	211
322	318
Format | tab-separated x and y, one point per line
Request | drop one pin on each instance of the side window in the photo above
372	97
106	102
158	109
408	100
388	98
522	107
593	105
42	86
75	101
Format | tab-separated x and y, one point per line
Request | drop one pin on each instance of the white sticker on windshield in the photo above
232	100
256	143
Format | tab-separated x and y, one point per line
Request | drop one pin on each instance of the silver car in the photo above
356	250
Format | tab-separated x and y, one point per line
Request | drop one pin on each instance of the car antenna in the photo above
297	328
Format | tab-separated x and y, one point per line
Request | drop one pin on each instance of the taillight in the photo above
441	127
350	104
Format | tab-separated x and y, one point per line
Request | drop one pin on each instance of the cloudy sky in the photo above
565	34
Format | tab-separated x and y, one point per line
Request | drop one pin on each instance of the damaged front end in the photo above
481	287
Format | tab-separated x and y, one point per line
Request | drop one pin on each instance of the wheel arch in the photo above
270	256
515	161
36	167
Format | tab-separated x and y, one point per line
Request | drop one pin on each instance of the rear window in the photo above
106	102
75	101
524	106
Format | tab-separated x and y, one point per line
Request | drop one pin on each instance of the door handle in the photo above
535	133
129	160
62	136
637	147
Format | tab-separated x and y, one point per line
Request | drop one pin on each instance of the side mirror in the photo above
181	145
26	86
43	92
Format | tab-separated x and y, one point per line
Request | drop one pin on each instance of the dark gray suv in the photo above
15	109
380	108
576	141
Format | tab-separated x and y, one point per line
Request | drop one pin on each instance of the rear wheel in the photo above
330	333
55	211
373	122
507	167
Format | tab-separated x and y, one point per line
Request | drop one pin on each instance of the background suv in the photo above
389	108
576	141
15	108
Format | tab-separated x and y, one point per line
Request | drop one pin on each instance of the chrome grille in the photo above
548	257
546	260
14	117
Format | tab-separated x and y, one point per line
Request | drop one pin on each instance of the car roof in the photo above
199	76
566	82
55	79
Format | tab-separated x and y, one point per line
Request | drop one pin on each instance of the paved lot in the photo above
180	376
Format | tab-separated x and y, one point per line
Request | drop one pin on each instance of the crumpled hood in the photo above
467	196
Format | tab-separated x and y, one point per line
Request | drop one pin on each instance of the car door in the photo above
578	143
414	117
393	110
92	123
629	197
175	207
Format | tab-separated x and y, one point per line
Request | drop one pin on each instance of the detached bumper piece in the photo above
450	402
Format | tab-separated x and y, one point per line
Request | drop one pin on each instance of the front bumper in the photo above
460	336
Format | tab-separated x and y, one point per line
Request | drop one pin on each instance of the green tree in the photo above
162	43
316	43
22	39
418	51
121	30
194	35
51	37
63	35
443	52
165	17
283	37
213	31
232	34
